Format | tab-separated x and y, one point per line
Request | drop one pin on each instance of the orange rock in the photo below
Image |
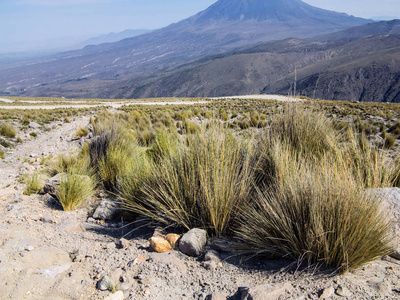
139	259
160	244
173	239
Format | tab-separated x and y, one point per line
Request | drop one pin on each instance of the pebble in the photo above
104	283
326	293
29	248
343	291
160	244
116	296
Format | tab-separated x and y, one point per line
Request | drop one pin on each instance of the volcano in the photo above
112	70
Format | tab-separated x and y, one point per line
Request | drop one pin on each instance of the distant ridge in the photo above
226	25
361	63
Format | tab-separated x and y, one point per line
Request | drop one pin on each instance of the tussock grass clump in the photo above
81	132
310	201
318	213
7	130
34	183
203	184
75	190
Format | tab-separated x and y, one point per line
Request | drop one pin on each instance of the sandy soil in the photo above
46	253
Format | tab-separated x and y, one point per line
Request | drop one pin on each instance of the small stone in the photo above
104	284
53	183
209	265
328	292
111	246
216	296
116	296
29	248
343	291
107	210
160	244
221	244
47	219
147	280
264	291
56	270
70	226
173	239
212	256
21	254
380	288
193	242
33	125
124	243
138	260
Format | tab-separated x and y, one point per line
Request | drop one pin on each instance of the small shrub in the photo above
2	156
34	183
74	190
81	132
33	134
389	141
7	130
202	185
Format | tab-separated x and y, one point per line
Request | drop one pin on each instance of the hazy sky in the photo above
25	22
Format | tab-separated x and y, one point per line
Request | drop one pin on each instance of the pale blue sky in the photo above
29	23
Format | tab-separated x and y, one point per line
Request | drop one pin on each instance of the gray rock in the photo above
193	242
380	288
124	243
29	248
116	296
221	244
264	291
47	219
104	284
212	256
70	226
342	291
217	296
328	292
107	210
33	125
53	183
57	270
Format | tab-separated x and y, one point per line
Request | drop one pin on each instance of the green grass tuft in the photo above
7	130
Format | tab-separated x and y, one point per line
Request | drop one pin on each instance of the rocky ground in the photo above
46	253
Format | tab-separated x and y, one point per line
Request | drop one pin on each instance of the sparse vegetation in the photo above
33	182
7	130
81	132
74	190
284	180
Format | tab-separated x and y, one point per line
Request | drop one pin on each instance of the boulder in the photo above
193	242
107	210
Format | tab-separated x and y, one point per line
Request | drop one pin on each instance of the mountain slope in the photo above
226	25
361	63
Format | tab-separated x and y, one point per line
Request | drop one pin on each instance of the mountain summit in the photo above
114	70
261	10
